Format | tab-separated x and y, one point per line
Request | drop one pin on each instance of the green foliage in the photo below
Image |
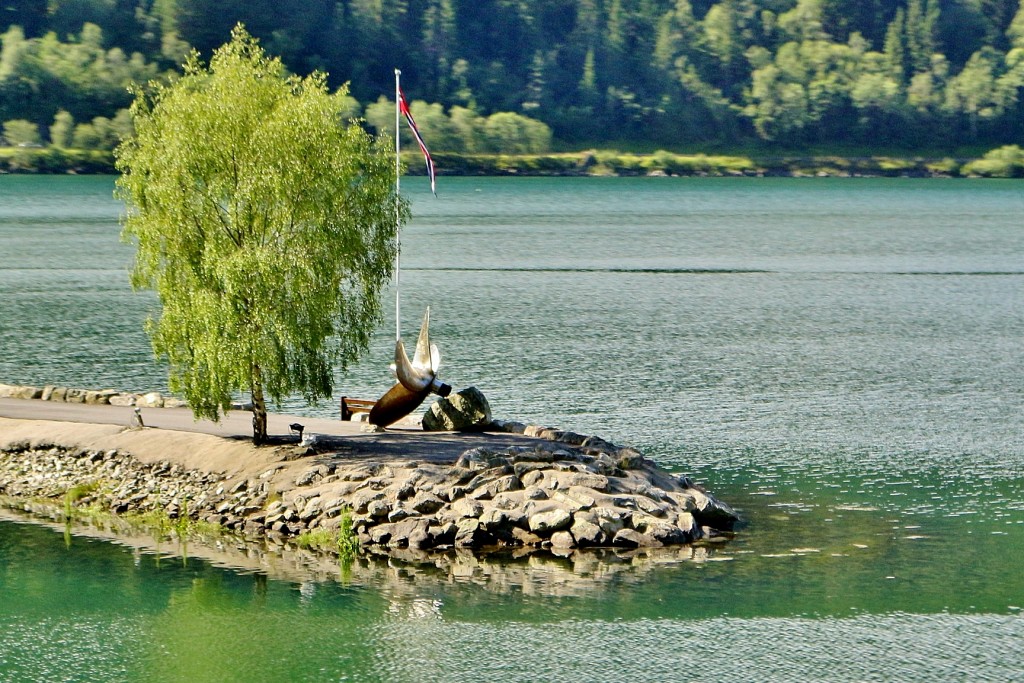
512	133
40	76
1005	162
77	493
62	129
266	224
21	133
344	541
659	73
54	160
463	129
348	542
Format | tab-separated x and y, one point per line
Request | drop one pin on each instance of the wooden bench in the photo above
354	406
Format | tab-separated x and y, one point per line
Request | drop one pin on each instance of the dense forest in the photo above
674	74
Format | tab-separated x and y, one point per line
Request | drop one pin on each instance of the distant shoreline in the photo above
586	163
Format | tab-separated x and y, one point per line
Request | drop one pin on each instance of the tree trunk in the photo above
259	412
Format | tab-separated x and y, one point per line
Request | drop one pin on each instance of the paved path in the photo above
346	437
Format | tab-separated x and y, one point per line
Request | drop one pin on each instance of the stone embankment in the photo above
562	491
111	397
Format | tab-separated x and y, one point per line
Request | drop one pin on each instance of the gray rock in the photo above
525	537
550	521
505	501
535	493
686	522
442	534
629	538
378	508
630	459
151	400
27	392
532	477
362	499
651	507
426	503
404	532
381	534
591	481
714	513
582	496
609	521
477	459
562	539
587	533
419	538
667	534
467	533
465	410
101	397
493	518
502	485
508	426
572	438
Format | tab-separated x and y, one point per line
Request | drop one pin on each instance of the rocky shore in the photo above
548	489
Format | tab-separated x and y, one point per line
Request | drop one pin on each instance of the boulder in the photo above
714	513
151	400
493	518
587	533
17	391
562	539
465	410
468	533
426	503
629	538
101	397
550	521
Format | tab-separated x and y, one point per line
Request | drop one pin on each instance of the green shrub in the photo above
1005	162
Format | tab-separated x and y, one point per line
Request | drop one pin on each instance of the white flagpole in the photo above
398	186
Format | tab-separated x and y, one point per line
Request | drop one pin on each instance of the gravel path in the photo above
401	441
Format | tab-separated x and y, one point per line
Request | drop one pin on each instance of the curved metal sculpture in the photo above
417	379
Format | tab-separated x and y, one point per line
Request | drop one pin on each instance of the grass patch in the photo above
344	541
77	493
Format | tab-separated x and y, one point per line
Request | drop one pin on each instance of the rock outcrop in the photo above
465	410
551	496
562	491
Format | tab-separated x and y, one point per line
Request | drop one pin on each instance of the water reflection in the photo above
400	574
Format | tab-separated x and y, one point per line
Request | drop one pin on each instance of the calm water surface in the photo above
840	359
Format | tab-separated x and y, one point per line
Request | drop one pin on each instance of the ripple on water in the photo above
861	648
61	648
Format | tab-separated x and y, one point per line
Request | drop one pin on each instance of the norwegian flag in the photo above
403	106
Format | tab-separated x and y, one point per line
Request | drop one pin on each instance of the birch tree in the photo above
265	222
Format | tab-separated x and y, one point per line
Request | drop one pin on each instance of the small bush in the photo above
1005	162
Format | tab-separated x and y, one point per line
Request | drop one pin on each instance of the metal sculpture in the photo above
417	379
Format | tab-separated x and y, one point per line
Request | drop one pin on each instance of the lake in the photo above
840	359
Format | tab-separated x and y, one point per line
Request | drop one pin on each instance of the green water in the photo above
839	359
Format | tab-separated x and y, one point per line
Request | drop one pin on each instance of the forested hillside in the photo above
677	74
